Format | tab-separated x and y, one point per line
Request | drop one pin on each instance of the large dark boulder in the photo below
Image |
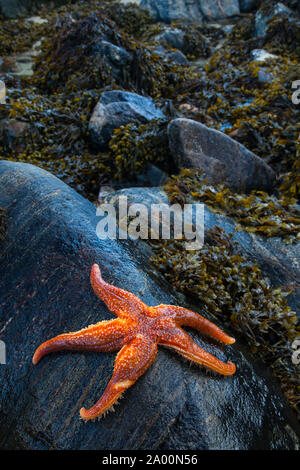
222	159
45	262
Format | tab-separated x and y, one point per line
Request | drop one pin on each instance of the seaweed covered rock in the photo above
264	16
116	57
118	108
89	50
190	11
277	260
248	280
222	159
186	38
50	247
234	97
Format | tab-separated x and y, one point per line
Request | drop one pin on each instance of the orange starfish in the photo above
137	331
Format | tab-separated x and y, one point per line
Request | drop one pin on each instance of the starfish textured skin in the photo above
136	333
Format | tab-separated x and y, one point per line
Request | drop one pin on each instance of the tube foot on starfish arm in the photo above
135	334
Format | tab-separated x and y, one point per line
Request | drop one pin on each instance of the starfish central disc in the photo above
135	333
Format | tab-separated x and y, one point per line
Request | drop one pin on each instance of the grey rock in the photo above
216	10
172	37
177	57
261	19
260	55
160	50
116	57
265	77
175	10
153	176
44	289
228	28
117	108
191	11
222	159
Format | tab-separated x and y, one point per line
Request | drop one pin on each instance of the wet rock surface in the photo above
222	160
45	290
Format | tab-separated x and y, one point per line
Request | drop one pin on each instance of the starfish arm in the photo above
184	345
105	336
185	317
131	362
117	300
